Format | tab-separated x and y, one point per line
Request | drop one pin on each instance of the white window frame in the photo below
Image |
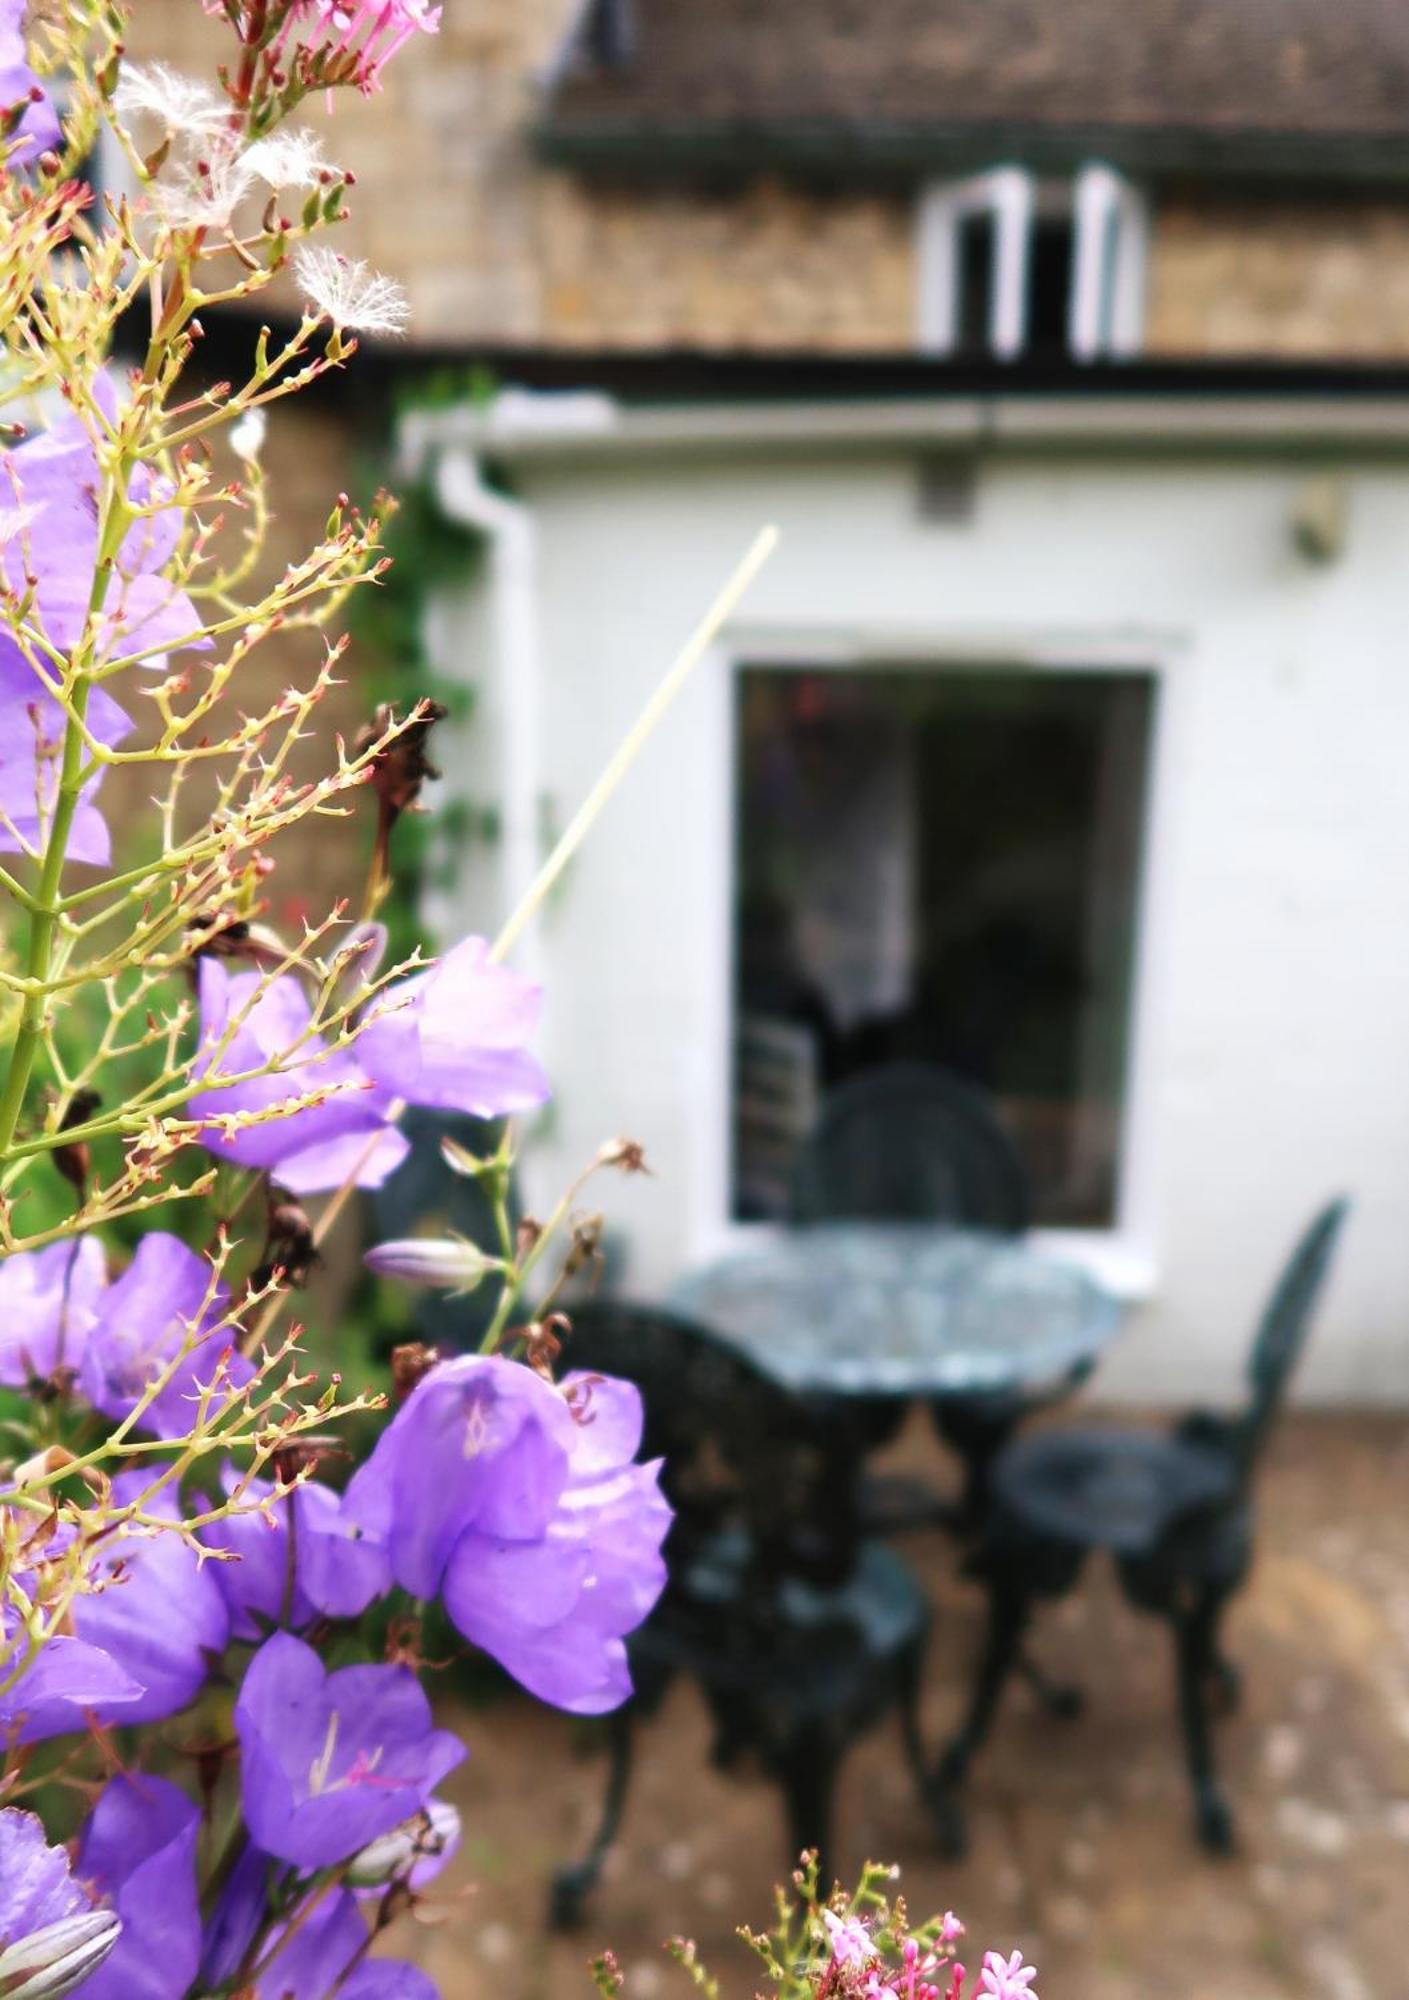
1008	196
1111	227
1125	1256
1106	310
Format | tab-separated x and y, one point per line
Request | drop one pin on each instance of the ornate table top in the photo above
902	1309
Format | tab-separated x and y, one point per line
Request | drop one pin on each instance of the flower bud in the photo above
57	1959
53	1458
465	1163
429	1836
449	1263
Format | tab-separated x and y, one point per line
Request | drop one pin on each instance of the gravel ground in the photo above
1081	1845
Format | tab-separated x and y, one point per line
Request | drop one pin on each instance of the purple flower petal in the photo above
39	130
481	1441
339	1569
67	1682
142	1324
332	1760
162	1615
311	1149
138	1852
453	1038
531	1515
36	1887
48	1301
316	1958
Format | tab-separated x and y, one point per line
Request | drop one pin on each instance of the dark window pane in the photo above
940	866
1049	282
975	261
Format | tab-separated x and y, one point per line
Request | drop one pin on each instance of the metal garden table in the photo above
979	1326
909	1310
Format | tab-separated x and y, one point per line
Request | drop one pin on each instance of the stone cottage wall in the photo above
494	248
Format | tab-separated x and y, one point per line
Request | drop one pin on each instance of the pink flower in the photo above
950	1929
851	1941
368	31
1006	1979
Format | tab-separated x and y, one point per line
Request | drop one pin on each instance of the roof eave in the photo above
833	148
587	428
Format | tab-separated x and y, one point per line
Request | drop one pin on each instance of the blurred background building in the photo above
1061	743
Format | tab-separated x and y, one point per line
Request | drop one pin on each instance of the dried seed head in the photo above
410	1365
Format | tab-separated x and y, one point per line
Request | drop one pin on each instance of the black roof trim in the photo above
834	150
381	368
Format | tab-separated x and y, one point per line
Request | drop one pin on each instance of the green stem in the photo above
44	916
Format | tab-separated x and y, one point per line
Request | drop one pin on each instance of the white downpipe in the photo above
511	534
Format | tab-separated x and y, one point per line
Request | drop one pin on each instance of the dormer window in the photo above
1010	265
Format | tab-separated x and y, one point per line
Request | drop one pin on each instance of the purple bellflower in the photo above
522	1504
332	1760
33	737
48	1301
38	130
453	1038
338	1568
67	1681
36	1887
163	1299
326	1954
52	1939
160	1613
138	1854
242	1906
49	488
311	1149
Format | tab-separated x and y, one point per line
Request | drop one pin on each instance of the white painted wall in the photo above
1275	1012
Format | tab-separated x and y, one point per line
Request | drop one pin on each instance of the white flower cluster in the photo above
349	293
209	170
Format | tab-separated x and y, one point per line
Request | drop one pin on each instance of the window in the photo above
973	250
1009	265
940	865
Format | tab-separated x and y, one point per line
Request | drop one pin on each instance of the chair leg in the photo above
1195	1632
1225	1677
932	1796
1007	1621
1059	1698
571	1886
977	1431
808	1775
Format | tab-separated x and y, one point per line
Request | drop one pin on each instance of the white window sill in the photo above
1124	1267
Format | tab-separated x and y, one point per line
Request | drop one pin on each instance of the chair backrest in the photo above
1282	1329
741	1454
909	1142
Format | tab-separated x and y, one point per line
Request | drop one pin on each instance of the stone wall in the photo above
771	267
1303	280
312	452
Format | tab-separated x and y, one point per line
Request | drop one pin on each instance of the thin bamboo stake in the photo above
635	740
630	748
